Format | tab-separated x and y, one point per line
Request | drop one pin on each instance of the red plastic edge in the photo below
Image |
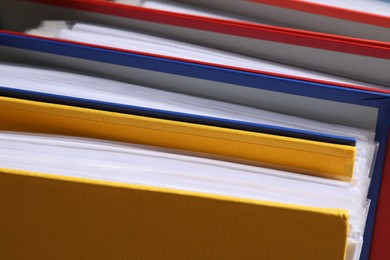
331	11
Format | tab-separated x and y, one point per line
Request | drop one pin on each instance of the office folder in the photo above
331	160
367	19
350	105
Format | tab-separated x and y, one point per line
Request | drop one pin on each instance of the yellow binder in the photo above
45	217
287	153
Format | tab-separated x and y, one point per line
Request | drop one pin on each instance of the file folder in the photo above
155	223
354	58
328	98
364	19
330	160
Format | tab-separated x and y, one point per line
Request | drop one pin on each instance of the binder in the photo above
154	223
354	58
323	159
300	95
363	19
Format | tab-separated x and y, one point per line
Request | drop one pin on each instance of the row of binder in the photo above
194	223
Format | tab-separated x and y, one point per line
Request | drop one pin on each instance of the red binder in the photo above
370	20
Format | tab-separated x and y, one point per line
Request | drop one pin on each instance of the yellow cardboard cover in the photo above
305	156
52	217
